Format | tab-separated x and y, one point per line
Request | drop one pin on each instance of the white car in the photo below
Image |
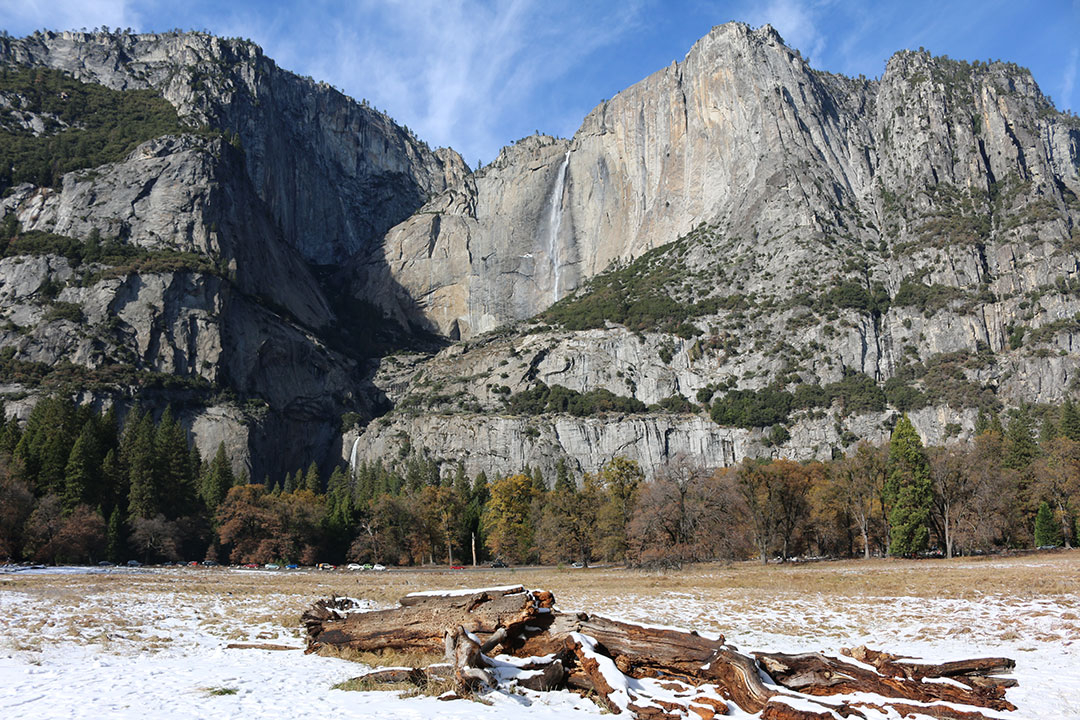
378	567
272	566
354	566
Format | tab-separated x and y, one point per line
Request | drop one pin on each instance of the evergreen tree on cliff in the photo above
909	490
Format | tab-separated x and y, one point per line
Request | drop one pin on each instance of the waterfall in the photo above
555	213
352	456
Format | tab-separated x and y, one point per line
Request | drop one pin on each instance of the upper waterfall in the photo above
555	213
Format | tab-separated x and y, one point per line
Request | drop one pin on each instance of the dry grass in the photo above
433	687
386	658
1035	597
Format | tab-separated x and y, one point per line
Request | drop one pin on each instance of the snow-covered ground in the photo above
152	643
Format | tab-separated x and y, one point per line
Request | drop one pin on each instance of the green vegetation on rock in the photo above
84	125
558	399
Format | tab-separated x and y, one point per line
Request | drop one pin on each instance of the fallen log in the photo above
511	637
898	666
817	674
420	623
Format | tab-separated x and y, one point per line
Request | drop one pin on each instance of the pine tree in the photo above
217	480
114	487
563	480
1049	430
909	490
1020	446
78	474
10	436
312	481
1070	420
56	444
144	494
1047	532
289	486
173	461
617	483
114	536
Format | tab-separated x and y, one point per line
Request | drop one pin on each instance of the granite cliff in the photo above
738	256
739	222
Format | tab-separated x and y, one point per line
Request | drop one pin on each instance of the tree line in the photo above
77	485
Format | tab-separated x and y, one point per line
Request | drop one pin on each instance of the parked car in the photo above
457	567
325	566
578	565
250	566
499	564
378	568
272	566
209	563
134	563
354	566
291	566
106	563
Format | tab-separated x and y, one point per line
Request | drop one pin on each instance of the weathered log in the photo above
738	680
899	666
816	674
549	677
420	625
589	661
942	712
463	652
260	646
648	672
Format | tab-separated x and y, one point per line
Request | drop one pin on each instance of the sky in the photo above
479	74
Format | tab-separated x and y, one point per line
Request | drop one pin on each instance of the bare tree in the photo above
859	480
156	537
683	515
954	490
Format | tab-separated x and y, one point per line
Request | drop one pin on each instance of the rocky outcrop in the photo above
505	445
335	173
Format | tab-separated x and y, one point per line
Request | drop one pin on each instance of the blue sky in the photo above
478	74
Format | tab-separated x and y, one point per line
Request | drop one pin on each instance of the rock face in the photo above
742	134
919	230
242	318
502	445
219	291
336	174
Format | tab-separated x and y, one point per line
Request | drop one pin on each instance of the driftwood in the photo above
510	637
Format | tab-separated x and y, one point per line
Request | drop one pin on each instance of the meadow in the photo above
123	642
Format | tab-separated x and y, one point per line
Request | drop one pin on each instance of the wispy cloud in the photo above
1068	80
22	16
457	73
798	23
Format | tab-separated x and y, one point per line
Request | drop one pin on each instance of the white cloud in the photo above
795	21
24	16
